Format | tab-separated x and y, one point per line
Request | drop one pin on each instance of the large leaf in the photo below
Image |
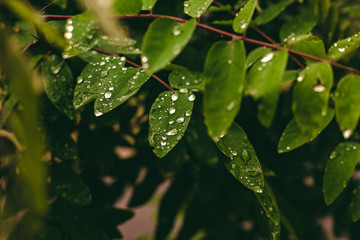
347	103
292	138
272	12
344	47
70	186
224	84
271	67
298	25
243	164
148	4
339	168
243	18
123	7
187	79
59	84
355	204
169	117
195	8
268	202
163	41
310	98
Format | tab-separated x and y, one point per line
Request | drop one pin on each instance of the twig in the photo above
44	8
28	46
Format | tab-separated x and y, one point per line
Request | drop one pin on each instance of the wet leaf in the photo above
268	202
243	18
59	84
243	163
347	104
310	98
70	186
187	79
270	67
169	117
148	4
339	169
272	11
224	84
255	55
299	25
343	47
195	8
309	44
163	41
292	138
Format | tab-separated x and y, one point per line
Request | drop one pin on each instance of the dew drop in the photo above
107	94
188	113
69	28
191	97
98	113
172	110
80	79
347	133
184	90
229	61
267	57
176	30
174	97
162	143
341	49
230	106
319	88
300	78
68	35
180	119
104	73
186	4
172	132
144	59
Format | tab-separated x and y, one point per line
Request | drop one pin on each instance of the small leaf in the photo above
272	12
255	55
271	67
355	204
163	41
343	47
243	18
224	84
195	8
298	25
70	186
244	164
224	8
187	79
309	44
310	98
148	4
124	7
268	202
120	88
169	117
339	168
347	104
292	138
59	84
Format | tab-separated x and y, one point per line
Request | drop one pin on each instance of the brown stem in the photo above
44	8
136	65
28	46
231	35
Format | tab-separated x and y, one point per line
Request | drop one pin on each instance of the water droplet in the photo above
319	88
69	28
180	119
80	79
188	113
341	49
102	63
184	90
98	113
267	57
122	59
144	59
108	95
341	162
176	30
172	110
68	35
162	143
347	133
191	97
55	69
230	106
229	61
174	97
104	73
333	155
186	4
172	132
300	78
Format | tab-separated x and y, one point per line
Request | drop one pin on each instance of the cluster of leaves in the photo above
253	139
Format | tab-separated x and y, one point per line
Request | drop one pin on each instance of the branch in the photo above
230	35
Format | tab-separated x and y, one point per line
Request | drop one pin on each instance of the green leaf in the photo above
59	84
195	8
169	117
324	7
347	104
224	84
289	75
355	204
124	7
255	55
61	3
243	18
244	164
224	8
289	218
187	79
310	98
343	47
271	67
298	25
116	89
223	22
309	44
268	202
7	108
292	138
163	41
63	147
70	186
339	168
148	4
272	12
